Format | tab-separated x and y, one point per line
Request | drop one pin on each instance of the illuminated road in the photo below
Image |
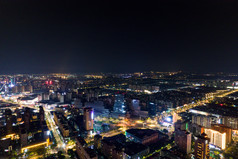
153	124
186	107
52	126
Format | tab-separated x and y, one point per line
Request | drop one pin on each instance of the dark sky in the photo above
39	36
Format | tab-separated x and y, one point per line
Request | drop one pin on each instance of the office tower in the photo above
202	147
152	109
41	115
88	116
119	105
8	117
183	140
27	117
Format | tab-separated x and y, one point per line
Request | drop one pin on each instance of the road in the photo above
53	128
186	107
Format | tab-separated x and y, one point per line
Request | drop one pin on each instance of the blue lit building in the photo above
119	105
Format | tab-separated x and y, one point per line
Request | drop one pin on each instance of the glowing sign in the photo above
92	115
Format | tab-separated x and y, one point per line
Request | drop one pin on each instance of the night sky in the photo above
43	36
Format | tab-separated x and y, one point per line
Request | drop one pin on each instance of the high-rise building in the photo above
27	117
97	141
183	140
223	128
8	117
88	118
83	151
15	89
21	88
202	147
119	105
219	135
41	115
152	109
216	138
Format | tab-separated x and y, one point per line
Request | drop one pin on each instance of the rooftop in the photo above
217	110
141	133
91	152
133	148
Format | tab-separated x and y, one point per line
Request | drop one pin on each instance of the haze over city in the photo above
118	36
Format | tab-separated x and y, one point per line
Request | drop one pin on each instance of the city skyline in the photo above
59	36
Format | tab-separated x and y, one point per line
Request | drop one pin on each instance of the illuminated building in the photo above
202	147
88	118
183	140
196	129
8	117
45	96
119	105
83	151
61	122
28	100
46	143
205	121
214	114
175	117
111	147
181	125
219	136
94	76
